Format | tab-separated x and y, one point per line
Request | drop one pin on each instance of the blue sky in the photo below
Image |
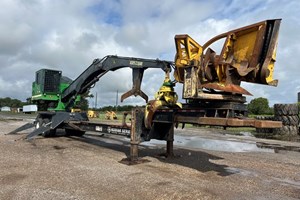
68	35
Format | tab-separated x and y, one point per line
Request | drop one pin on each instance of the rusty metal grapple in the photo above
248	54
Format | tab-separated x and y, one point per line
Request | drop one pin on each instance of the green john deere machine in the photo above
47	89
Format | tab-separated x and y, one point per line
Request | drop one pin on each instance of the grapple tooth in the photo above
134	92
137	77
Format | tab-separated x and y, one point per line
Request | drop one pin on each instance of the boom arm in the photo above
99	67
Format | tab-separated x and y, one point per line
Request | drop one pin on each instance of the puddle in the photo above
246	134
112	141
211	144
242	172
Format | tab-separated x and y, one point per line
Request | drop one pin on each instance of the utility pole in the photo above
96	101
117	100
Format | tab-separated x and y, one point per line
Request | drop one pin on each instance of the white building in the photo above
5	108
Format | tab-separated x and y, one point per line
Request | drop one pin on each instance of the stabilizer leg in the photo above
22	128
135	139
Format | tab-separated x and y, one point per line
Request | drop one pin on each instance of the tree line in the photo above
116	108
13	103
83	104
257	106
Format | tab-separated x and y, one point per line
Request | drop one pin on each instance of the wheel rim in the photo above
37	125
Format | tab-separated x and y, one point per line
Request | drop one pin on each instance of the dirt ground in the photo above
88	168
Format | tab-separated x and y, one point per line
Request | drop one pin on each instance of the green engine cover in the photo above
47	89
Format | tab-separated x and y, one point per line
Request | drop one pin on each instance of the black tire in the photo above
259	117
294	130
51	133
38	123
73	132
278	111
288	120
287	130
293	120
270	118
268	131
286	109
281	109
283	119
281	131
293	109
258	130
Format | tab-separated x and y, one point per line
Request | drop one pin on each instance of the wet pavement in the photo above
212	144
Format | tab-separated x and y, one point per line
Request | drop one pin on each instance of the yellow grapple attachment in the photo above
248	54
188	53
165	97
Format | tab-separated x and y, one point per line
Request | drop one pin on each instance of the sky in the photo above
68	35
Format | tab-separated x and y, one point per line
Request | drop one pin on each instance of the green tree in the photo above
84	103
14	103
259	106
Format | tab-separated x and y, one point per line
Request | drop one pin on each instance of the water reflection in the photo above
211	144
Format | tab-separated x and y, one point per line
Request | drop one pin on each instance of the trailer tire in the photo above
50	133
38	123
72	132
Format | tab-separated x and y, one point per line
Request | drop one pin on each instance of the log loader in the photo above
211	88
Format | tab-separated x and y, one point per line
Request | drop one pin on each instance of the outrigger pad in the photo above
22	128
129	161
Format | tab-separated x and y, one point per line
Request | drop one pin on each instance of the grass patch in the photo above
119	117
228	130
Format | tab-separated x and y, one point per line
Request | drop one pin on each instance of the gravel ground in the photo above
89	168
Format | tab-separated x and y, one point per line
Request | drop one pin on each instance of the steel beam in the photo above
230	122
